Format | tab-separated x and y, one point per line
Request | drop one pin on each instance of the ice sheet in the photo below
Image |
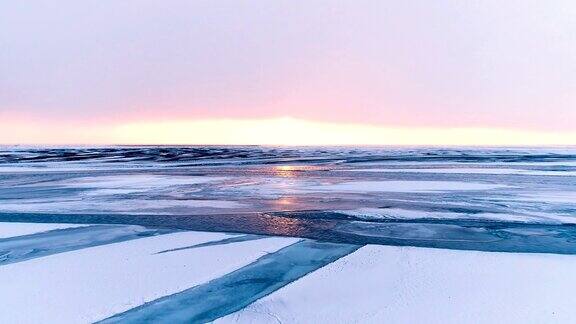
18	229
494	171
397	213
564	197
381	284
23	248
234	291
136	182
132	206
92	284
405	186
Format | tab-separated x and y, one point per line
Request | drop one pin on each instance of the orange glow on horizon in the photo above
279	131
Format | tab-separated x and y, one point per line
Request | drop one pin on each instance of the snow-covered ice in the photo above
404	186
383	284
18	229
91	284
495	171
567	197
136	182
132	206
135	261
397	213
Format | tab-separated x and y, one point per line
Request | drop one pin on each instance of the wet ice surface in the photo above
296	192
469	200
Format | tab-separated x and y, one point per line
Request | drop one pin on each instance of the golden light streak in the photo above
280	131
288	131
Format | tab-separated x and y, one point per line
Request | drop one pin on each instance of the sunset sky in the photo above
288	72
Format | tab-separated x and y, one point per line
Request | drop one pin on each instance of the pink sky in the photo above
416	65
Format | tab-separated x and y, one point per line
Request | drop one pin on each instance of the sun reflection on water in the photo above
292	171
284	226
285	201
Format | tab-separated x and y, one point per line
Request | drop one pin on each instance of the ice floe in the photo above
381	284
566	197
397	213
27	247
95	283
404	186
135	182
494	171
236	290
132	206
18	229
